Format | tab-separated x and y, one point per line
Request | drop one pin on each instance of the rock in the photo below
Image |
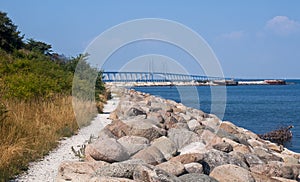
192	124
150	155
109	179
170	122
172	167
194	168
265	155
153	174
262	178
229	172
238	155
212	122
134	111
223	146
255	143
182	137
242	149
274	147
214	158
119	170
78	171
133	144
229	127
113	115
142	128
165	146
195	147
108	150
210	138
105	133
252	159
277	169
155	116
188	158
195	177
283	179
289	159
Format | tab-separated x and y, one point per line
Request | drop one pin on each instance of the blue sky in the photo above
252	39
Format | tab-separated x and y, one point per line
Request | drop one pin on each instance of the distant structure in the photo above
154	77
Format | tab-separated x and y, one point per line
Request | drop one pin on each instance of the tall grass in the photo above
29	130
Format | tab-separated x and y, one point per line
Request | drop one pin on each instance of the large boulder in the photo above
213	158
133	144
229	172
165	146
188	158
194	147
109	179
182	137
277	169
265	155
135	127
119	170
153	174
252	159
223	146
195	177
172	167
194	167
150	155
109	150
78	171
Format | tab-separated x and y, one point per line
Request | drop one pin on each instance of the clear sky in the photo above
252	39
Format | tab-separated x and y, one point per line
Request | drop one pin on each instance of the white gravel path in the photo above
46	169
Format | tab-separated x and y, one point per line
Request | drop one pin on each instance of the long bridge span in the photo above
154	77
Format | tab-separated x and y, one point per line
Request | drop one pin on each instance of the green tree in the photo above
38	46
10	37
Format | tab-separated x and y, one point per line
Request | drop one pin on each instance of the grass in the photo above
29	130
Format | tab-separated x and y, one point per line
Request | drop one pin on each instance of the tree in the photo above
10	38
38	46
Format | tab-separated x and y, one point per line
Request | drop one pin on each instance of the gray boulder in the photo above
231	172
133	144
153	174
119	170
213	158
78	171
150	155
224	147
194	167
142	128
182	137
172	167
195	177
109	150
165	146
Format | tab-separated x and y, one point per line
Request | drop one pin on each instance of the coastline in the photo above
153	134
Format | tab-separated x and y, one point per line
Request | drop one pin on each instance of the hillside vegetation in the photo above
35	99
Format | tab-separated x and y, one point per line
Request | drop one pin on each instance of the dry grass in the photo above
31	129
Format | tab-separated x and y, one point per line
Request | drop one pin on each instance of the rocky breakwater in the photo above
153	139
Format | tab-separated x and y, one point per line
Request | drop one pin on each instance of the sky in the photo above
251	39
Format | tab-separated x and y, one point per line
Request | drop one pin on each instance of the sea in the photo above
259	108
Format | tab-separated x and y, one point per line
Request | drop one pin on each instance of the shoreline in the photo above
162	139
46	169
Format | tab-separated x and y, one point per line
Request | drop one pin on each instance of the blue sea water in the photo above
259	108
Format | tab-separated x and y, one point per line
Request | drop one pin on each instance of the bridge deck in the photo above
153	77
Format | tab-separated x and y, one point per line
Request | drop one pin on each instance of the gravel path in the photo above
46	169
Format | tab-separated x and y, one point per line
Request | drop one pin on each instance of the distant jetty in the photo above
201	83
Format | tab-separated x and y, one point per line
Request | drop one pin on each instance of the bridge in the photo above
154	77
